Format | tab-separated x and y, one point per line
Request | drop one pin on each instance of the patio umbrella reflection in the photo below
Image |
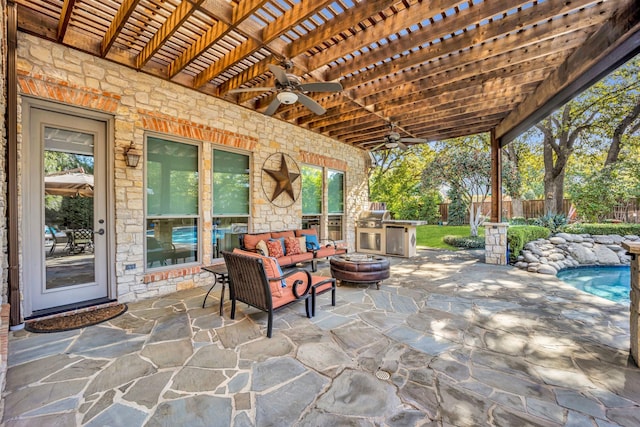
73	182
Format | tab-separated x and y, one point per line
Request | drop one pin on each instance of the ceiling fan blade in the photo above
321	87
250	89
272	107
279	73
310	104
415	140
377	146
401	145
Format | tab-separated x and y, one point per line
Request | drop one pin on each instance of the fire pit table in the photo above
359	268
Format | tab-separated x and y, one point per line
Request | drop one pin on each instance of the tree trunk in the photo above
554	193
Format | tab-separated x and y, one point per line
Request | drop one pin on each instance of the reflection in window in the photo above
230	199
172	203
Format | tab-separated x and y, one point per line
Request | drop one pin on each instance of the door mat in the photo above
75	321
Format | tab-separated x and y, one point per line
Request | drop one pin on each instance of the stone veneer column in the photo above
634	319
495	243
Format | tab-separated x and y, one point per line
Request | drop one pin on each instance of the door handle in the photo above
100	232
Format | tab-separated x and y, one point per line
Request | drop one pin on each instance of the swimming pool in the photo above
611	283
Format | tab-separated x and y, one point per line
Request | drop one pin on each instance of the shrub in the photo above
599	229
464	242
518	220
520	235
551	221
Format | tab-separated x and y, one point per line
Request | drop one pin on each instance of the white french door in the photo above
66	211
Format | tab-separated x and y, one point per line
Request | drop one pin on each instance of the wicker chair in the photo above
249	283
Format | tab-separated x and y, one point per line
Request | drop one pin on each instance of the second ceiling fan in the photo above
394	140
290	90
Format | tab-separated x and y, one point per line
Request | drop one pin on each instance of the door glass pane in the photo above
69	208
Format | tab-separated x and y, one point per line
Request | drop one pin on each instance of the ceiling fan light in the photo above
287	97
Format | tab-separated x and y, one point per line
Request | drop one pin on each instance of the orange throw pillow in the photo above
292	246
275	248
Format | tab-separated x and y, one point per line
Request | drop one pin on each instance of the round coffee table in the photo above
359	268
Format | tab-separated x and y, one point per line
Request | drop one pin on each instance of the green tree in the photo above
603	119
397	182
457	207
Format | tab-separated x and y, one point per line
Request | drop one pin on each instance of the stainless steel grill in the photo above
372	219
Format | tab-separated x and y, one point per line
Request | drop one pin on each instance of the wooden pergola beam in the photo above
65	17
122	16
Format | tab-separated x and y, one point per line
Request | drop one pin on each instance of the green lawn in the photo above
430	236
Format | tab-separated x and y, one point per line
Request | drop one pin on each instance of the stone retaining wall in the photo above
563	250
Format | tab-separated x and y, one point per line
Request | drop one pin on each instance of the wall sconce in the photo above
132	155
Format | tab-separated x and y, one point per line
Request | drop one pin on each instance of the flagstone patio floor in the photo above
446	341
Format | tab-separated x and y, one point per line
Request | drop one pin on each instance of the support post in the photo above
634	316
495	232
496	178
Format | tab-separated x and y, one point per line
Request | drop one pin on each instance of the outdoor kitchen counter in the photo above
408	222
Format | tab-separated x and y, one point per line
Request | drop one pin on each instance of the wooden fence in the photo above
535	209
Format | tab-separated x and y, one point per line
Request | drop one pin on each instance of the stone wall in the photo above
548	256
140	103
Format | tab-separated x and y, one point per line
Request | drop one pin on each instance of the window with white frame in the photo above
172	202
231	199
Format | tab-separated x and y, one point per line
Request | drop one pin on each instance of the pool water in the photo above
612	283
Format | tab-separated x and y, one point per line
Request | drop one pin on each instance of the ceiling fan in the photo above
290	90
394	140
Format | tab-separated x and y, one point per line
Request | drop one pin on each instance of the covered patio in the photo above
447	340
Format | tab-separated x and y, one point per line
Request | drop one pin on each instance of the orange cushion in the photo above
292	246
251	240
279	234
309	231
272	269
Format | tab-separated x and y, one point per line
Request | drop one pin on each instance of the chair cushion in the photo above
292	246
271	268
325	251
279	234
275	248
251	240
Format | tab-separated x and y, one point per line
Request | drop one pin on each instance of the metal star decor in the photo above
283	178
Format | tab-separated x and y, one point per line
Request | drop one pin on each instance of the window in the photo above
311	196
335	208
172	183
231	197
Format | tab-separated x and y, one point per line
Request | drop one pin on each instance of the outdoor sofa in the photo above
291	247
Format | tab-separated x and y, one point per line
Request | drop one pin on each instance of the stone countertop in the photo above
404	222
632	247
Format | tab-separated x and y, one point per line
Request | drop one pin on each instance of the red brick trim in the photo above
320	160
61	91
159	122
171	274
